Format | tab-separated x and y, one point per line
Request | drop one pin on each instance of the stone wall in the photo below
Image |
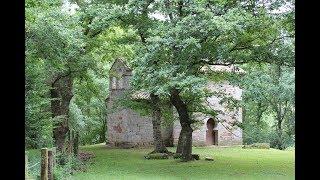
125	127
227	134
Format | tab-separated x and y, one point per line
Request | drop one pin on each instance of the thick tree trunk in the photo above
180	142
187	149
185	122
159	146
61	94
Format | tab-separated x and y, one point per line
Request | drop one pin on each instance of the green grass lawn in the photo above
229	163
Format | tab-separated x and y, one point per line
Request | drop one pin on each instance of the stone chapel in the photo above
126	128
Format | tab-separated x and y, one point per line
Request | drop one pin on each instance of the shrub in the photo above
196	156
157	156
255	133
257	146
291	148
177	156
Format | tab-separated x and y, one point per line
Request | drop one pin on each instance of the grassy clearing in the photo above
229	163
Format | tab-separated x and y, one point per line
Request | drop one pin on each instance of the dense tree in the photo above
92	90
167	43
181	37
37	66
270	87
91	12
54	38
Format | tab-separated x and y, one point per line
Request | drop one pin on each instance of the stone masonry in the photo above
221	132
126	128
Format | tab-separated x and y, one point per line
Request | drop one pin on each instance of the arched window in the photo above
120	83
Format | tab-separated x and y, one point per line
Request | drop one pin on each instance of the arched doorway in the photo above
211	134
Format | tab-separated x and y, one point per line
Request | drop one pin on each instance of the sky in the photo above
71	8
67	6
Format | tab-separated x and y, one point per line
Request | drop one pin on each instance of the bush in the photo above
255	133
157	156
196	156
177	156
291	148
257	146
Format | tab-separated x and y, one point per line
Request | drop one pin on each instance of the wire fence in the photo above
40	166
30	167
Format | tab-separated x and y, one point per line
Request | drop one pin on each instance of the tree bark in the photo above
159	146
180	144
44	164
279	130
76	144
50	164
185	122
102	137
260	111
61	94
278	109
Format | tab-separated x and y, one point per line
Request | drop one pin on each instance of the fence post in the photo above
50	164
54	154
26	165
44	164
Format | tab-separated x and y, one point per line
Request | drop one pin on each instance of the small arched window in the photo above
120	83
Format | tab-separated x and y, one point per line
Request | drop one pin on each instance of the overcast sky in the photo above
71	8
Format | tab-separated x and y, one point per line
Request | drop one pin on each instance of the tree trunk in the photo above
102	137
185	122
180	140
61	94
159	146
279	130
70	142
260	110
76	144
278	108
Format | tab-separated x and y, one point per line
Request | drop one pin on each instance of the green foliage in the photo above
268	92
57	44
257	146
255	133
171	51
88	109
177	155
157	156
66	165
166	53
38	119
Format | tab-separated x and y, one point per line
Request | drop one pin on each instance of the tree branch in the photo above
180	4
167	5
